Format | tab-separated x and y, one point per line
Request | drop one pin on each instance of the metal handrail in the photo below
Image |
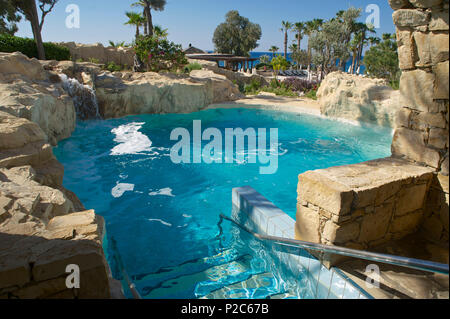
411	263
130	284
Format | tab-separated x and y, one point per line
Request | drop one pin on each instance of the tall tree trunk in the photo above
285	44
137	31
358	64
149	21
309	61
353	62
299	40
34	20
145	23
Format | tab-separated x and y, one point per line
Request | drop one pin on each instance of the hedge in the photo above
28	47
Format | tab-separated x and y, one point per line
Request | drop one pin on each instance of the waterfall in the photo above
83	96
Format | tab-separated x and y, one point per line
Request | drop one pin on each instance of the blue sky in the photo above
194	21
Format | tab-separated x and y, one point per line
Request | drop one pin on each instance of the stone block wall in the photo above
422	123
364	205
422	132
86	52
435	224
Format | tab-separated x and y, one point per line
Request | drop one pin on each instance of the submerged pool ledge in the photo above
266	218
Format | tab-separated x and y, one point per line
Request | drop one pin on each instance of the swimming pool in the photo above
164	216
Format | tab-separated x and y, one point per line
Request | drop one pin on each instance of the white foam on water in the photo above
160	221
163	192
131	140
121	188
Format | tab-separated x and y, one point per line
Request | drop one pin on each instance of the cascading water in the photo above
83	96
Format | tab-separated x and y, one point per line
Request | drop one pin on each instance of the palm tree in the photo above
286	27
135	19
274	49
159	32
117	44
293	47
360	40
310	28
299	28
148	5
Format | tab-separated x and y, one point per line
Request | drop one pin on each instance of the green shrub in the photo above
94	60
282	91
191	67
253	88
113	67
261	66
160	54
274	84
395	84
28	47
312	94
240	86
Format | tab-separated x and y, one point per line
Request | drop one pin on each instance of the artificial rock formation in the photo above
29	91
124	93
356	98
43	227
128	93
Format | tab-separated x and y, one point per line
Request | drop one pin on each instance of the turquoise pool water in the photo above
164	216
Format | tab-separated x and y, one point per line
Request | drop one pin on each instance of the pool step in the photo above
186	268
202	282
258	286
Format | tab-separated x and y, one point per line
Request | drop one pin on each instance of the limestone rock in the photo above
441	86
339	234
439	20
308	224
127	93
406	49
328	193
356	204
438	138
403	117
410	18
399	4
417	88
29	91
223	89
431	48
406	224
375	226
411	144
22	142
425	3
352	97
18	64
411	199
40	233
